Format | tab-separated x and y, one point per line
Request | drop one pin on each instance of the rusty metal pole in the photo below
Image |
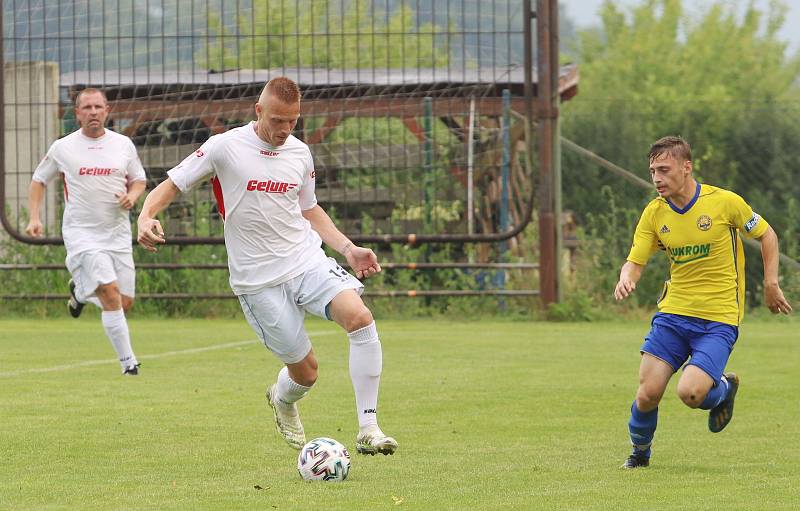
546	112
530	98
556	144
3	222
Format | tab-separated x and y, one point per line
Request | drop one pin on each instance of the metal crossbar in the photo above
379	294
385	266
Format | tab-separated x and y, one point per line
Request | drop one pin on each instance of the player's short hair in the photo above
676	147
89	90
283	88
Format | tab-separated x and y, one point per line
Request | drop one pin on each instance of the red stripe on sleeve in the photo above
217	188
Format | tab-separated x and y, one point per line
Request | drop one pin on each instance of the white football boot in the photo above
287	420
372	440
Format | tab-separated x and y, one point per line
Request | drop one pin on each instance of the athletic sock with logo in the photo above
366	363
116	327
642	428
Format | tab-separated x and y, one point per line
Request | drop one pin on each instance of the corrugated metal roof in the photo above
310	78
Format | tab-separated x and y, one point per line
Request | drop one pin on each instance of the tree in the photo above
723	80
320	34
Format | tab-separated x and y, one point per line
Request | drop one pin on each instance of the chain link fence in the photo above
416	113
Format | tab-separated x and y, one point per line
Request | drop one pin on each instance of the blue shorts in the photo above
675	338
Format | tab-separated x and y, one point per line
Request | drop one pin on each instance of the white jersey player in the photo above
103	178
263	179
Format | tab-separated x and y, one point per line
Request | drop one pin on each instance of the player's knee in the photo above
359	319
109	296
305	372
127	303
692	395
647	398
109	291
307	377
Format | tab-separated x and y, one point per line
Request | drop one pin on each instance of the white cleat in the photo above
373	441
287	420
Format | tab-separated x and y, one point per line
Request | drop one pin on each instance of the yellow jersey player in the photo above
699	227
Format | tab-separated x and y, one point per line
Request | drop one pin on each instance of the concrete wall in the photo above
31	98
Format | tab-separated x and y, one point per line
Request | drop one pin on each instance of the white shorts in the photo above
92	269
277	313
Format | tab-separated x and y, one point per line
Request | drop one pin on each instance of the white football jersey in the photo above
95	171
261	192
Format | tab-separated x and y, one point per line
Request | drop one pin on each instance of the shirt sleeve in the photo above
645	239
195	168
135	169
308	197
47	168
745	219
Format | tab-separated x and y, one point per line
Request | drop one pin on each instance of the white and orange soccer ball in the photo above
323	459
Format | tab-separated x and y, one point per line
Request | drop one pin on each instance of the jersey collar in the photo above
93	139
251	130
688	206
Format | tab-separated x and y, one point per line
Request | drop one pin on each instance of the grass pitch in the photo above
489	415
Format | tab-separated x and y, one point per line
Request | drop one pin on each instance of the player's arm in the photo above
752	225
150	231
361	259
192	170
135	190
45	172
770	254
136	179
645	244
629	275
35	198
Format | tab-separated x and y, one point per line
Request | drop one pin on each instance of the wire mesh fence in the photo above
402	100
416	112
746	147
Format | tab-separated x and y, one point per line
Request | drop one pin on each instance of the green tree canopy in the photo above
318	33
657	71
722	79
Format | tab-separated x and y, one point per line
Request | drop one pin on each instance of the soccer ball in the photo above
323	459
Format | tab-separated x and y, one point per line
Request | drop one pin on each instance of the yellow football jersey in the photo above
704	247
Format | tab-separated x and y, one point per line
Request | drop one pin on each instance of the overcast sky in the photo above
584	13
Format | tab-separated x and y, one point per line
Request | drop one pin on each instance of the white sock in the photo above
366	363
116	327
289	391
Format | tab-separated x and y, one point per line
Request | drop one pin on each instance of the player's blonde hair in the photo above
89	90
283	88
676	147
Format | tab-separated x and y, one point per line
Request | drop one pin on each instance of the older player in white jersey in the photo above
103	178
263	178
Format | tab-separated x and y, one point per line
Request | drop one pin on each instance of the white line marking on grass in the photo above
87	363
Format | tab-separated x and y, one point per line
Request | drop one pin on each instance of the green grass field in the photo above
489	415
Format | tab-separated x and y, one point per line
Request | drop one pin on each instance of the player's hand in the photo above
363	261
125	200
34	228
777	303
150	233
624	288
